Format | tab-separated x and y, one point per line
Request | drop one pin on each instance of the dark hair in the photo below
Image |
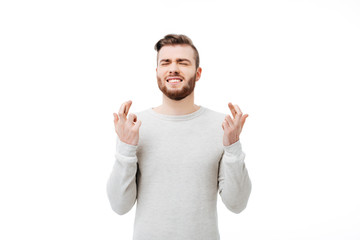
175	39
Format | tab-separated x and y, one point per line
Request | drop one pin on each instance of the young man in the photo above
183	155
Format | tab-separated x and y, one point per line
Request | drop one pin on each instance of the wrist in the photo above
125	149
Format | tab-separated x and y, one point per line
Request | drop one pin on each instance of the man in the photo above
183	155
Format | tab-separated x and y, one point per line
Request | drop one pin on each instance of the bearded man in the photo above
183	156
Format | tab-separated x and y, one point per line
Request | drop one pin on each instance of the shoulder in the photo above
141	113
213	119
214	114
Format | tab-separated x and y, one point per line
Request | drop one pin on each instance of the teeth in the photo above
174	80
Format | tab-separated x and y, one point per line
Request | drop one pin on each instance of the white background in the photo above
293	66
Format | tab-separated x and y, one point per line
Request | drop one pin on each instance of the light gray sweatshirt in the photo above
174	175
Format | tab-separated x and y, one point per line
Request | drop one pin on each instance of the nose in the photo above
174	68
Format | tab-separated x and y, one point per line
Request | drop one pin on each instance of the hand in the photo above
127	128
233	127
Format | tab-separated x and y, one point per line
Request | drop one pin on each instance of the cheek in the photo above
161	71
189	72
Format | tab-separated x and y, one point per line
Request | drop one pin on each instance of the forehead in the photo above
176	51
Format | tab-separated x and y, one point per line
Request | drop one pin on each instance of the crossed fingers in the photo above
124	110
235	110
239	118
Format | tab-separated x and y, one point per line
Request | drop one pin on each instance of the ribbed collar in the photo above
177	117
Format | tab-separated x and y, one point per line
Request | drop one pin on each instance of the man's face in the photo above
176	72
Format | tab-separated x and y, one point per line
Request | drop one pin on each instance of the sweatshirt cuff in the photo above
125	149
234	149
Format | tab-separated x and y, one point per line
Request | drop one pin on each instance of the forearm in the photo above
235	184
121	185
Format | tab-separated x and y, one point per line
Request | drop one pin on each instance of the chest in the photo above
179	151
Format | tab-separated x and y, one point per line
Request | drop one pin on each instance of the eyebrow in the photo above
178	60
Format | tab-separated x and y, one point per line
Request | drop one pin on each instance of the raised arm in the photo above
121	185
233	178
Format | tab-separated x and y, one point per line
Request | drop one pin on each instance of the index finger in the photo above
232	109
127	107
124	109
238	110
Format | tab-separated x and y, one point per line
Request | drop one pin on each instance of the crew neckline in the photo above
177	117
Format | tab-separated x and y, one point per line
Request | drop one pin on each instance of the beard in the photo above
177	93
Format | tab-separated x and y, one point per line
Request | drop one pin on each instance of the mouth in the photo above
174	80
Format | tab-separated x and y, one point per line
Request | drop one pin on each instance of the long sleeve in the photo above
121	185
233	179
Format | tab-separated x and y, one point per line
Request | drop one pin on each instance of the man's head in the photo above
177	60
174	39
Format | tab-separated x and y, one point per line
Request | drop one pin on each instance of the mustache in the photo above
174	75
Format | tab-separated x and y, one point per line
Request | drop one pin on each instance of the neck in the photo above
181	107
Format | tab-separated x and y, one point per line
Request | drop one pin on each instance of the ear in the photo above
198	73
